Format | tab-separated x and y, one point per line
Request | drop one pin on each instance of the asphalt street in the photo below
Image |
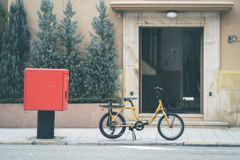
58	152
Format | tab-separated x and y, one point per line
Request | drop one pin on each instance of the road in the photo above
58	152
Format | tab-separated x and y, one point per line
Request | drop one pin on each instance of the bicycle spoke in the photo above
172	122
109	128
113	130
172	132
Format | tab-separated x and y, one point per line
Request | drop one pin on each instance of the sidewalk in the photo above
148	136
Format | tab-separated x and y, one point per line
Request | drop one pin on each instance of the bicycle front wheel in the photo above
176	129
106	125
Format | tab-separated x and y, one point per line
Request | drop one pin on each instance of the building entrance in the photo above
171	58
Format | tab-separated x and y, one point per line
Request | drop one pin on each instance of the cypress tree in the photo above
14	51
69	57
101	68
44	50
3	20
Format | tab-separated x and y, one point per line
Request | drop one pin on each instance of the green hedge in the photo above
11	100
73	100
95	100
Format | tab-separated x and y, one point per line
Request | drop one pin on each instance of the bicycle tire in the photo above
105	128
176	129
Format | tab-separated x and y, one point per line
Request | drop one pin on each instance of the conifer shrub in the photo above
70	57
15	49
44	49
101	68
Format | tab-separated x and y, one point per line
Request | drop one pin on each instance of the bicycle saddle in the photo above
129	99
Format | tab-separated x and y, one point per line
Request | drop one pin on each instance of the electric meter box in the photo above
46	89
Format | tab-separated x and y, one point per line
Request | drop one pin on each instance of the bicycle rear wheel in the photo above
176	129
110	131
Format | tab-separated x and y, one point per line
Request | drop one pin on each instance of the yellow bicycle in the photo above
112	124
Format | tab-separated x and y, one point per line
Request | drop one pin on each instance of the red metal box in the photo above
46	89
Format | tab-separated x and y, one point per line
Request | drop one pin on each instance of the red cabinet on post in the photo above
46	89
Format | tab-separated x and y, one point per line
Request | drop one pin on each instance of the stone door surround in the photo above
209	20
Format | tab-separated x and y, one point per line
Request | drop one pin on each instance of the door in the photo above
191	70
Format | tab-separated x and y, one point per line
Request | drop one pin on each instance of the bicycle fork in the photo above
165	115
160	108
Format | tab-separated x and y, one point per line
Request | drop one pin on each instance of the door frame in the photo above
132	20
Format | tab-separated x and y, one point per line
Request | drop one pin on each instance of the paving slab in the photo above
18	135
75	134
149	134
194	135
138	135
63	132
235	135
7	132
224	136
90	134
147	137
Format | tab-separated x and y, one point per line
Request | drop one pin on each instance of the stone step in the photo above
185	117
190	121
195	124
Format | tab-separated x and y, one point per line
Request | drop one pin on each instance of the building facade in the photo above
193	56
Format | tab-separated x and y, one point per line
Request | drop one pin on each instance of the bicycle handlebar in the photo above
159	90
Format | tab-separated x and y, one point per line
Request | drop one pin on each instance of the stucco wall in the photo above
86	10
230	25
228	61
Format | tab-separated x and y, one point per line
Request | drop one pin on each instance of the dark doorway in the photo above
191	71
170	57
151	67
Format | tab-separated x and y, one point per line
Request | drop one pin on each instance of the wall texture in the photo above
77	116
230	97
222	81
86	10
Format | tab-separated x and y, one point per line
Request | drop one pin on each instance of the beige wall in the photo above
85	11
230	25
4	3
229	53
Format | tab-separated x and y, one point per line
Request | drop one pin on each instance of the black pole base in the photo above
45	124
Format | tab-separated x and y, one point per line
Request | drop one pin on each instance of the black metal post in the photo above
45	124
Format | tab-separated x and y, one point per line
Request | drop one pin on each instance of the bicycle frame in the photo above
159	108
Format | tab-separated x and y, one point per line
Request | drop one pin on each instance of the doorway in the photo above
171	59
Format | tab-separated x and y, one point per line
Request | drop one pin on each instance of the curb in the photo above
228	144
205	144
76	143
16	142
34	141
43	142
120	143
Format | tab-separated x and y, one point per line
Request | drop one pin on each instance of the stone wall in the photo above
210	21
77	116
230	97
